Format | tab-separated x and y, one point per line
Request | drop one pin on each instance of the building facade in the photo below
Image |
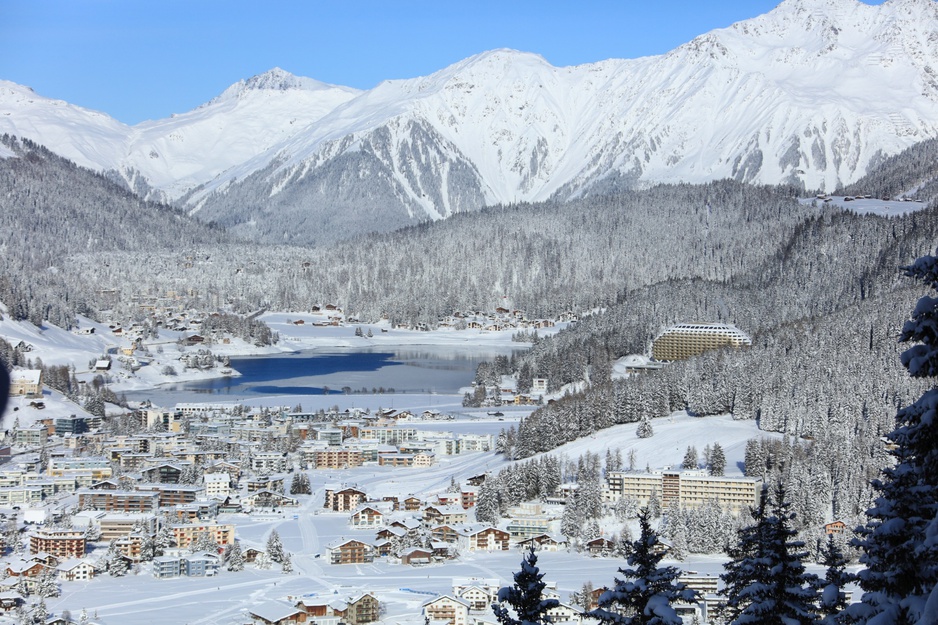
687	340
62	544
690	489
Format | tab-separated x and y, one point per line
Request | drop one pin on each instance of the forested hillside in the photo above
51	209
911	173
824	311
543	259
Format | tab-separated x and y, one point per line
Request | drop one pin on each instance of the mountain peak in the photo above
501	58
492	65
276	79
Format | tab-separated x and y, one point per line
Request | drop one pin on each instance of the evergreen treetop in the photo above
646	593
525	597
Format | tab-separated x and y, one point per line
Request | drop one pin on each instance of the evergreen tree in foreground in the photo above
525	596
645	596
831	598
766	583
900	539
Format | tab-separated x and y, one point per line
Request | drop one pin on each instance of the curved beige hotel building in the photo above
686	340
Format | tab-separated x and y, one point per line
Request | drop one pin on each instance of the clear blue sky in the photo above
147	59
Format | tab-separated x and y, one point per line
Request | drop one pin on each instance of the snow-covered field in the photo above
870	206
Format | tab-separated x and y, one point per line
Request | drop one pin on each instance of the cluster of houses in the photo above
499	320
328	610
175	474
502	319
417	531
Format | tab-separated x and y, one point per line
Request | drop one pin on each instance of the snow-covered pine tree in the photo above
647	592
766	583
235	557
589	496
623	547
164	537
644	429
300	484
47	586
690	458
203	541
21	587
625	508
92	532
832	600
148	547
488	504
717	460
571	521
286	564
40	613
583	598
275	547
592	530
116	563
899	543
654	504
754	460
525	600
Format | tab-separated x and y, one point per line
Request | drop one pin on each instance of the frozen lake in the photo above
429	369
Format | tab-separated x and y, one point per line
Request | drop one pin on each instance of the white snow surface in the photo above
871	206
811	91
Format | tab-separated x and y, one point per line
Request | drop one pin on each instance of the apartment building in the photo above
222	533
217	485
119	500
343	499
96	467
351	552
62	544
690	489
334	458
389	435
121	524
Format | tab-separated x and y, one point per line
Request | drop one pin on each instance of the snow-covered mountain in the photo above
176	154
811	93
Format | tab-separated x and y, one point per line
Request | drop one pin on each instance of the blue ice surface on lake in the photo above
408	370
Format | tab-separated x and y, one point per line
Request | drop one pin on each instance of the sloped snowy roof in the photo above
273	611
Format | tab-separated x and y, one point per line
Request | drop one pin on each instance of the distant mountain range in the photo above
811	94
